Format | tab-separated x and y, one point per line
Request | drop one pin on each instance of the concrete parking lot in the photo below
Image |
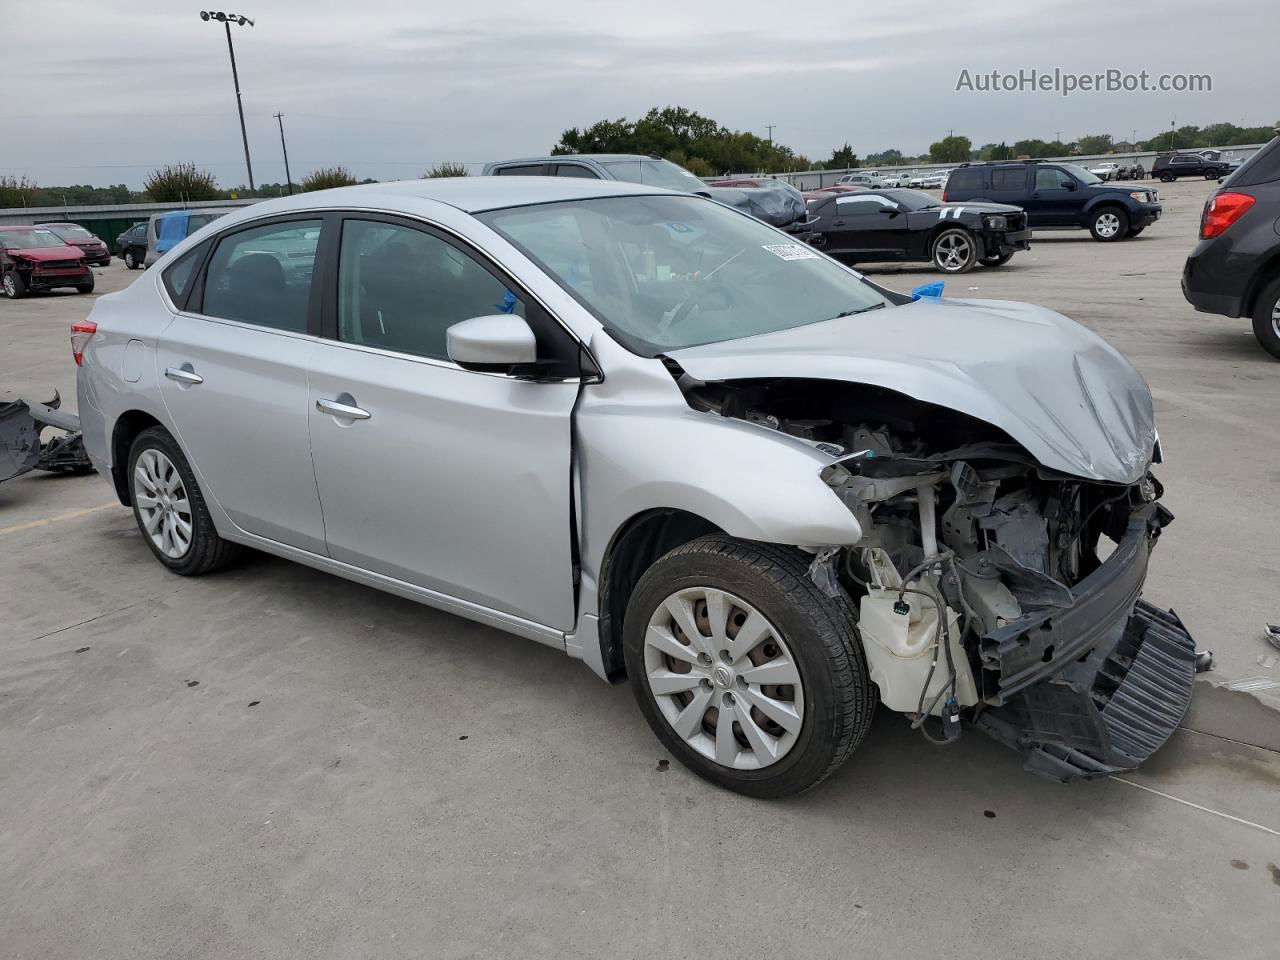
272	762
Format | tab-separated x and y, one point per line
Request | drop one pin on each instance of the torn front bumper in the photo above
21	448
1096	685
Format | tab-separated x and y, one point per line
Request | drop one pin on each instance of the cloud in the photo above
389	88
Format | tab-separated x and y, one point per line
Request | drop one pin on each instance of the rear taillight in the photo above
945	198
1222	211
80	334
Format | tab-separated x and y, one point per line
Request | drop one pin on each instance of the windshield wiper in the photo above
851	313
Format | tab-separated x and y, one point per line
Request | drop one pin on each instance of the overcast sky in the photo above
103	92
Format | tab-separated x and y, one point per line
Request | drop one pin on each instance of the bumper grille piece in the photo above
1108	711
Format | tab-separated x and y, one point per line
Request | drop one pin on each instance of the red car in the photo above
33	258
95	251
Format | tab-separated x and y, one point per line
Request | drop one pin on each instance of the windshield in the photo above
73	232
656	173
29	239
1080	173
664	272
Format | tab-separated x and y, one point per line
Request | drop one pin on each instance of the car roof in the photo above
469	194
21	226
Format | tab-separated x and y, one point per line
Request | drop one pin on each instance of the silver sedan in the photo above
651	432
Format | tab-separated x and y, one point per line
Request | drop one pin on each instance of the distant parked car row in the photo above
36	258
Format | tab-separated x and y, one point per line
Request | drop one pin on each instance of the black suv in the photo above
1171	166
1235	268
1057	195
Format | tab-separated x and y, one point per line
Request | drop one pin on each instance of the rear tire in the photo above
15	288
170	509
802	660
1266	318
130	260
1109	224
1167	178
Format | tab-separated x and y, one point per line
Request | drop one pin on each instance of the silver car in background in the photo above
653	433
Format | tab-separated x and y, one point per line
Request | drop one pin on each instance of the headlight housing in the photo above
996	222
1141	196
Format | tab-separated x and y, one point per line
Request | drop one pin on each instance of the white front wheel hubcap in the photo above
723	678
1108	225
163	504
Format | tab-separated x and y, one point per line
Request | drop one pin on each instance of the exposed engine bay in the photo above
989	588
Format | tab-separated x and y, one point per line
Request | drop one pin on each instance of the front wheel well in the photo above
637	544
127	428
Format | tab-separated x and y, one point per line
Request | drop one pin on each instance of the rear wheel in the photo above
1167	178
130	260
14	286
1266	318
749	674
170	509
1108	224
955	251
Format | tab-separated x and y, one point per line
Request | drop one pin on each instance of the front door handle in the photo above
184	374
344	410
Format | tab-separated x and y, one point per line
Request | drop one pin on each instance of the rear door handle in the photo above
184	374
344	410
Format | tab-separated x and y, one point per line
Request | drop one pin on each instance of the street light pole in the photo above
285	150
226	19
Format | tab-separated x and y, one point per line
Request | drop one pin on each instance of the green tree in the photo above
996	151
326	178
446	169
951	149
842	159
886	158
14	192
1095	143
677	132
181	183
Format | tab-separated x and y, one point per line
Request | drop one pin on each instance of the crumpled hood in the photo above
1059	390
46	254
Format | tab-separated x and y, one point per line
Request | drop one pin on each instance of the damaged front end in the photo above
21	447
989	588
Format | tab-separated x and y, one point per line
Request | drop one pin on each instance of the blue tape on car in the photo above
928	290
508	304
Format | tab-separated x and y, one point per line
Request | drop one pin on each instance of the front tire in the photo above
1109	224
85	287
130	260
955	250
997	260
747	672
1266	318
170	509
1135	231
15	288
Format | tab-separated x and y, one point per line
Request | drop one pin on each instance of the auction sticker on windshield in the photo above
791	251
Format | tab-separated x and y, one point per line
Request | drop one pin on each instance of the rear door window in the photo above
522	170
1008	179
263	275
575	170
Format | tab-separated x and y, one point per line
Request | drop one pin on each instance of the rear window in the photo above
966	178
1262	167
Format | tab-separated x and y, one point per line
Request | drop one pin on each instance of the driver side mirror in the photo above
491	344
1069	185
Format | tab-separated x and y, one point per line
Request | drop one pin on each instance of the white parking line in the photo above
60	517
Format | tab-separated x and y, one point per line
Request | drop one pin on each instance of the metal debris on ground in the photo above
1272	633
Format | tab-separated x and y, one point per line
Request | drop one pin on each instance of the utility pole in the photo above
226	19
769	127
285	150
